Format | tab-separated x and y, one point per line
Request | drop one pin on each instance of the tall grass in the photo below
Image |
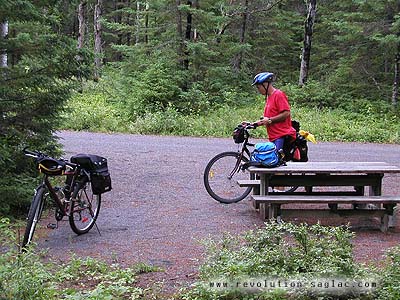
95	113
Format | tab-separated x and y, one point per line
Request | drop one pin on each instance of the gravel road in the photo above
158	209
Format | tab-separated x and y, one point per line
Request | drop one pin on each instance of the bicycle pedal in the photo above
51	226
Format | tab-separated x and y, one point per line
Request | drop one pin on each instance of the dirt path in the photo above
158	209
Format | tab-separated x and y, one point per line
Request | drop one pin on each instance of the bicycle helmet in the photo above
260	78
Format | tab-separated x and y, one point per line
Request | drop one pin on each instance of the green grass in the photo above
95	113
26	276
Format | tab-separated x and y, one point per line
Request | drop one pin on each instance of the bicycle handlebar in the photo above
247	126
37	155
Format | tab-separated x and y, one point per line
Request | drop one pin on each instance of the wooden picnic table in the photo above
323	174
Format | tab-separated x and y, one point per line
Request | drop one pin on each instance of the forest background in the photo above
185	68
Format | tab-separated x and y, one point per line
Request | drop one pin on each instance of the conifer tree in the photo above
41	72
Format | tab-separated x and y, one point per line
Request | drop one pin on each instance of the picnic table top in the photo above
329	167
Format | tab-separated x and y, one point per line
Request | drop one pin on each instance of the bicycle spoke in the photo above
220	179
85	210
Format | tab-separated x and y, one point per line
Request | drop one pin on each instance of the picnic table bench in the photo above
359	175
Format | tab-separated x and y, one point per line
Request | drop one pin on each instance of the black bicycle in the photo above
78	198
225	169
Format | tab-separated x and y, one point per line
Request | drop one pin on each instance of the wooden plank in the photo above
248	183
325	180
327	213
330	167
317	180
283	199
325	193
264	209
254	204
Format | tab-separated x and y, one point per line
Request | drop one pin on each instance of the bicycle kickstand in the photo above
97	227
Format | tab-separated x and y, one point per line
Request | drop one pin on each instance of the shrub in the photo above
279	251
390	279
24	276
314	95
91	111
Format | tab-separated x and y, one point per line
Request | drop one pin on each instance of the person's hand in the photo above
265	121
254	125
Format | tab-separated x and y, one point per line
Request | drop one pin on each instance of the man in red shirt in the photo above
276	112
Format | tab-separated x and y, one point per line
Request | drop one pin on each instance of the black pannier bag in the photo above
299	143
98	169
238	134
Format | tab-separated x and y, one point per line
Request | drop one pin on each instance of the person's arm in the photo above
279	118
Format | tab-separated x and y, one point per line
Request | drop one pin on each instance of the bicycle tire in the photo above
85	208
34	214
217	182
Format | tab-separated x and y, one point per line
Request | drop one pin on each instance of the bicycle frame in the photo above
63	208
66	210
242	151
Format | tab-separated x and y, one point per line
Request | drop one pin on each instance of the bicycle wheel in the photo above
35	212
221	176
85	208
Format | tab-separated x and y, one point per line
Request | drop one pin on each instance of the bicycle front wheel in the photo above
85	208
221	176
35	212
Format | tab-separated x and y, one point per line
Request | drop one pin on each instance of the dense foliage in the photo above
40	73
186	67
180	62
201	54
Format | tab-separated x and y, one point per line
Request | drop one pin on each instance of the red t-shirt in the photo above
274	105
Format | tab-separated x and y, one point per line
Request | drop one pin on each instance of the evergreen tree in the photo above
41	71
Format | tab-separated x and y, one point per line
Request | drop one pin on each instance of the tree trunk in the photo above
237	62
308	31
81	24
128	21
118	19
3	53
188	37
395	93
146	24
179	32
137	23
98	42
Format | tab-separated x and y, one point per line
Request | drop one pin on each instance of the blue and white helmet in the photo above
263	77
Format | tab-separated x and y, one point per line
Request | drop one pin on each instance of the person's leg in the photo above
279	143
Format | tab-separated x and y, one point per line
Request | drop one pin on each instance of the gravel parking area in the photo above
158	210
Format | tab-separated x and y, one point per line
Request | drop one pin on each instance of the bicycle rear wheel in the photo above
35	212
85	208
221	176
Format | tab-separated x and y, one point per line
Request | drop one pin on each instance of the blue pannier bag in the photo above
266	155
